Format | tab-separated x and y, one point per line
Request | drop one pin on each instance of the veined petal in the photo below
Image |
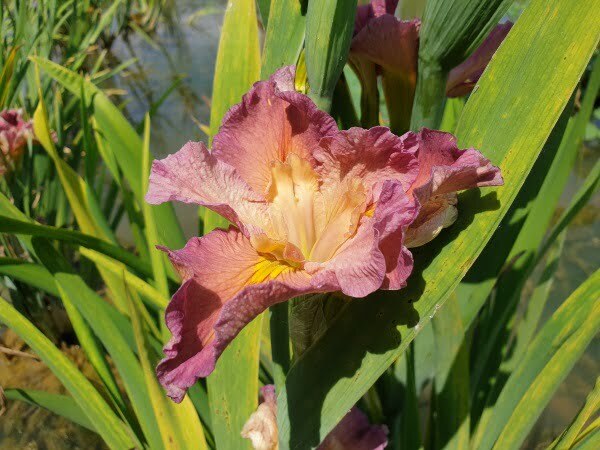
226	285
443	171
372	156
193	175
462	79
443	168
394	214
270	123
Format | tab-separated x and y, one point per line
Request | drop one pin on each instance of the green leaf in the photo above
81	199
329	28
114	432
120	138
23	228
233	388
148	292
571	434
89	303
237	67
29	273
509	118
55	262
156	258
61	405
548	360
283	49
178	431
263	7
451	383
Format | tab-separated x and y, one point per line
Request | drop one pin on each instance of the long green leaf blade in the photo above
110	427
548	360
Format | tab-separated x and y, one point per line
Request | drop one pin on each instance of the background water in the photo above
184	46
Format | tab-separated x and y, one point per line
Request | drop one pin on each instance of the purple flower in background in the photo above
14	134
385	45
354	432
313	209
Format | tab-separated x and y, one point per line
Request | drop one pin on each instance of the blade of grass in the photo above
30	273
89	305
509	118
114	432
10	225
571	435
55	262
149	293
121	139
552	354
61	405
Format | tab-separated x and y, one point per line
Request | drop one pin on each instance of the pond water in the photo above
185	45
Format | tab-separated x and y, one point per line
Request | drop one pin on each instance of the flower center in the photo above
310	219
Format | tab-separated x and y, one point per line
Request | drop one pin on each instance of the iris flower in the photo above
383	44
313	209
354	432
14	134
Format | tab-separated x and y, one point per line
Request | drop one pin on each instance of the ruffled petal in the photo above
261	426
271	122
394	214
462	79
438	213
372	156
443	171
226	285
355	432
193	175
443	168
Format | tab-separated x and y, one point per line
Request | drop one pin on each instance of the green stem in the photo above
280	343
399	94
343	109
430	97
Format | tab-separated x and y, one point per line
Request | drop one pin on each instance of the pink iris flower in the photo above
14	134
313	209
383	44
354	432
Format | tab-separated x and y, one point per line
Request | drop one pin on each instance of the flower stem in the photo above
430	97
280	343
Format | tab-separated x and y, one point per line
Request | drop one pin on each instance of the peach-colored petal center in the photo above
309	221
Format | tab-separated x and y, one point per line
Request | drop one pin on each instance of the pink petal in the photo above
354	432
462	78
270	122
193	175
376	8
394	214
438	213
373	156
215	302
390	43
443	168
